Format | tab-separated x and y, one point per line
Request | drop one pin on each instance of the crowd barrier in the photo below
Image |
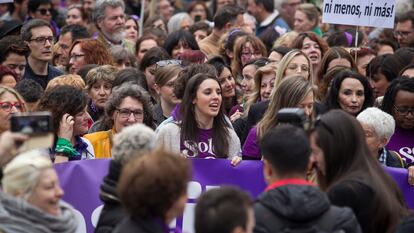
81	182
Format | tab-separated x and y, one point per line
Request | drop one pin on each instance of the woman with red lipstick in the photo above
349	91
203	131
70	121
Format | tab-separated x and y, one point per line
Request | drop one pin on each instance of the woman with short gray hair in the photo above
378	128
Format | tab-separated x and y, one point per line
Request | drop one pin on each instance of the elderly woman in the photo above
10	102
122	57
87	51
131	143
99	83
30	200
70	121
378	127
179	21
128	104
153	190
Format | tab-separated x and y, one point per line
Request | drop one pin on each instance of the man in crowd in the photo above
404	31
224	210
266	16
289	200
38	36
18	10
13	54
68	35
226	18
109	18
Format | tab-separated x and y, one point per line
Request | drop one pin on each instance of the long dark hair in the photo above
220	125
333	93
351	160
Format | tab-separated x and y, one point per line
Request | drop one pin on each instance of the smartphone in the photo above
197	18
32	123
39	127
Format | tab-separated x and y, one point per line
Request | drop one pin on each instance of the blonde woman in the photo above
264	80
31	197
293	92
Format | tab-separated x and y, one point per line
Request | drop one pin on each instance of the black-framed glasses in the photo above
404	110
42	40
402	34
44	11
126	113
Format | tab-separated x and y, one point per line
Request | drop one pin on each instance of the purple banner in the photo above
81	181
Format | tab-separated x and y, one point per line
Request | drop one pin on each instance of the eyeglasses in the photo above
42	40
76	56
249	54
126	113
7	106
404	110
402	34
44	11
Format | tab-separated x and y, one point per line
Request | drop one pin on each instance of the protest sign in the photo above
81	182
372	13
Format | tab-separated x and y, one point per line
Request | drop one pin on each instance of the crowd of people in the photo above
323	106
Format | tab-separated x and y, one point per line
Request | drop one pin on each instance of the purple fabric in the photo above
203	149
403	143
236	108
175	112
250	147
81	180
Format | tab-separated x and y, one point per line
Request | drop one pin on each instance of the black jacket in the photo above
138	225
112	212
298	205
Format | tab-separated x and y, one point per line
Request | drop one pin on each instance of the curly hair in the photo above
136	92
61	100
95	52
151	184
105	73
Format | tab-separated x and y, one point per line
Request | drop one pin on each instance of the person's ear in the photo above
267	170
383	142
157	89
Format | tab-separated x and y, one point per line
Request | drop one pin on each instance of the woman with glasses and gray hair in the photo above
127	105
31	197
